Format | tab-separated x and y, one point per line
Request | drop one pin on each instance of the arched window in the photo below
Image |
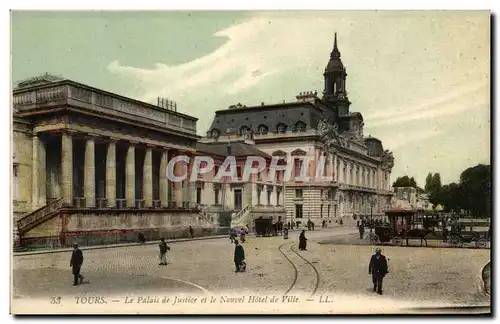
281	128
215	133
262	129
300	126
244	130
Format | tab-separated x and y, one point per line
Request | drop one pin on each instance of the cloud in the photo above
411	75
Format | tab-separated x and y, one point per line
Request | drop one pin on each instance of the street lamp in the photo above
372	204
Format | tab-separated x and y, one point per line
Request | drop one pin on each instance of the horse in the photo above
420	233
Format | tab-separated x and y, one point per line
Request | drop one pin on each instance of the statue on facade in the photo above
387	159
330	135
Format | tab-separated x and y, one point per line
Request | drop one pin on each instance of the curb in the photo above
100	247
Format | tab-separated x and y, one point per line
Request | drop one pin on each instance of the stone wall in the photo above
111	227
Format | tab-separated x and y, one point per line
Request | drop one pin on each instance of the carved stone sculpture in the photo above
387	159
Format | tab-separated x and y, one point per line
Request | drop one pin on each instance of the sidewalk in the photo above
110	246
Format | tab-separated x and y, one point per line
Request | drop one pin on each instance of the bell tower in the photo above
335	94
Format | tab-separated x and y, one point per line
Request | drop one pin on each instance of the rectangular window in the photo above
216	193
269	193
298	211
298	193
239	173
278	198
258	196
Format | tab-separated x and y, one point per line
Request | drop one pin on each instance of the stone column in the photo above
147	178
164	179
111	174
67	168
332	171
39	173
191	185
130	176
89	173
177	185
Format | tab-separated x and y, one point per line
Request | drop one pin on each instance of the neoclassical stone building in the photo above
92	166
325	128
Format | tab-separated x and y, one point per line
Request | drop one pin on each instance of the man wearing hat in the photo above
76	264
378	269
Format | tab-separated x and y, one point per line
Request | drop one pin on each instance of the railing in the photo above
39	214
101	202
202	212
139	203
79	202
121	203
172	204
241	214
156	204
100	102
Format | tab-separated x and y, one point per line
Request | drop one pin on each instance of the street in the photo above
275	267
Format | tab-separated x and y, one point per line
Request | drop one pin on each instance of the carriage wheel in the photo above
373	238
455	241
397	241
481	243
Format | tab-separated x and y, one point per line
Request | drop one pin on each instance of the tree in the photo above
475	183
405	181
428	182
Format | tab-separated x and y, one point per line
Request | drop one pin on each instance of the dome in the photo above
335	65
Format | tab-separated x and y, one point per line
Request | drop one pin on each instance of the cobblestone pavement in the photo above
445	275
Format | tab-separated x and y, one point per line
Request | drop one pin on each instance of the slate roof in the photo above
238	149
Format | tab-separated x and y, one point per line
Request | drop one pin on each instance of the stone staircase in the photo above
39	216
206	218
240	218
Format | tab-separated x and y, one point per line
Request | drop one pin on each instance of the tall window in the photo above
216	170
278	193
298	193
269	193
259	191
216	196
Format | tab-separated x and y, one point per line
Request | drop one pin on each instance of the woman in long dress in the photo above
302	241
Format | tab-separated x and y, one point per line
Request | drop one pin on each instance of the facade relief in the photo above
387	159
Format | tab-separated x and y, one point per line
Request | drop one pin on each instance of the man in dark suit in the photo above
76	263
239	256
378	269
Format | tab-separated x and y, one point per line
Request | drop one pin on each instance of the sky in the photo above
420	78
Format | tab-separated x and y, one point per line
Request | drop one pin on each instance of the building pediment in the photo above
279	153
299	152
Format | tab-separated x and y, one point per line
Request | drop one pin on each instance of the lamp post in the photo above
372	204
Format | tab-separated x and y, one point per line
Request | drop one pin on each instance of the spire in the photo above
335	53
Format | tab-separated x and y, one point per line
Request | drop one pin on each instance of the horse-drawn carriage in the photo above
266	227
403	225
457	238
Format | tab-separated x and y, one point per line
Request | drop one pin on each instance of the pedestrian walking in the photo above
163	252
190	232
285	233
141	238
239	257
341	222
76	264
302	241
361	231
378	269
